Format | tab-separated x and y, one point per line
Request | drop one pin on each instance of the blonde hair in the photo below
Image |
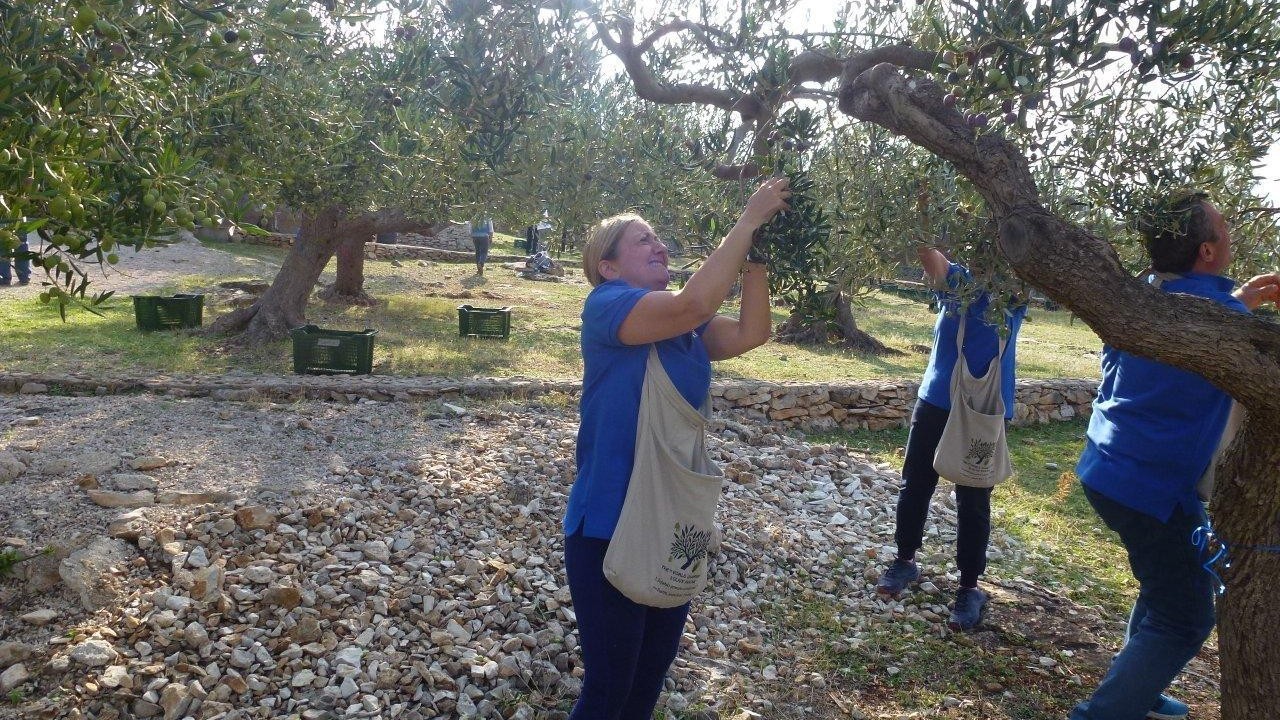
602	244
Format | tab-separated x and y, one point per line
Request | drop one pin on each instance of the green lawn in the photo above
417	331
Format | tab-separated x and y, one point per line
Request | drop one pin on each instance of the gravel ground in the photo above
318	560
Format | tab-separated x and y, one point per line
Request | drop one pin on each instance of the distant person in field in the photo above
1152	435
12	260
482	240
627	647
919	479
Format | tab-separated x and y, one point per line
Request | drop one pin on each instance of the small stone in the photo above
376	550
302	678
14	676
116	676
94	653
347	688
255	517
194	498
285	596
175	699
259	574
306	631
110	498
148	462
349	656
144	708
127	526
206	583
41	617
198	557
241	658
195	635
33	388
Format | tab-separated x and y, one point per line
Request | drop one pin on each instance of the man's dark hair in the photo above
1174	228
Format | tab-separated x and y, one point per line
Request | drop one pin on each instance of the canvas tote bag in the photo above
658	554
973	450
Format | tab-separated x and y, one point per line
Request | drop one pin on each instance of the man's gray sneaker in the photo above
897	577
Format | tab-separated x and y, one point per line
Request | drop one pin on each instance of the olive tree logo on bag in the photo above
690	544
980	451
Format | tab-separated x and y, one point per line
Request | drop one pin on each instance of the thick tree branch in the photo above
703	32
1240	354
650	88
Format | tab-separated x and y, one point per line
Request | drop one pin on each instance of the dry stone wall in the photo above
877	405
873	405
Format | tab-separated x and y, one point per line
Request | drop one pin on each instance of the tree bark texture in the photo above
1246	505
348	286
1238	353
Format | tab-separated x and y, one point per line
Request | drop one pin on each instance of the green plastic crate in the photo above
484	322
317	351
154	312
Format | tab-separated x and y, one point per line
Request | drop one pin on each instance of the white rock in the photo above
348	656
94	653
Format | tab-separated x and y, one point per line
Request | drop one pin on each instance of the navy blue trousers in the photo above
1172	618
919	480
626	647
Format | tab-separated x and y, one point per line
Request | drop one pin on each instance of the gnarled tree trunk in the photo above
348	286
801	329
1238	353
283	305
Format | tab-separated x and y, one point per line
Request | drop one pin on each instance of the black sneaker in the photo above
966	614
897	577
22	282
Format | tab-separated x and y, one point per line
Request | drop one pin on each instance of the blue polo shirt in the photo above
1155	427
981	343
612	378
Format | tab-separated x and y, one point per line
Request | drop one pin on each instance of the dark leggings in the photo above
482	244
626	647
919	479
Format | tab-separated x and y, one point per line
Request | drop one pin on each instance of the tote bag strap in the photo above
659	382
963	322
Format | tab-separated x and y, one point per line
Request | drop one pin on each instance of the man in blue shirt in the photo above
1152	435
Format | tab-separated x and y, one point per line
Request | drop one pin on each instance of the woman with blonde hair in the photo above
627	646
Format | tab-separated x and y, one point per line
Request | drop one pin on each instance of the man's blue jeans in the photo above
1171	619
23	266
